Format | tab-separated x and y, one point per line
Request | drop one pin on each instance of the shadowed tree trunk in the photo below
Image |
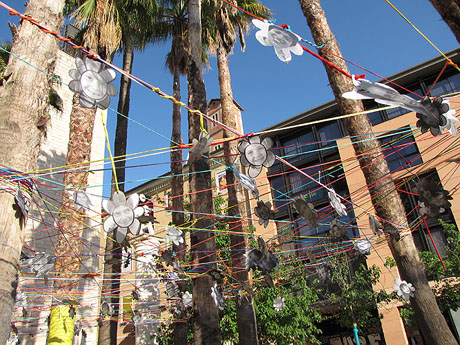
450	13
385	198
206	315
23	101
246	317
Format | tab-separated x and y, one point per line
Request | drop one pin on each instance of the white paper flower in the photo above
340	208
279	304
200	147
264	212
404	289
175	235
187	299
256	154
41	264
282	40
218	296
363	246
123	215
452	120
92	80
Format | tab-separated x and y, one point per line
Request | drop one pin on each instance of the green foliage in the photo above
4	56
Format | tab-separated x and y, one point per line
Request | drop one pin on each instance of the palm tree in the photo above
449	10
389	207
23	101
228	20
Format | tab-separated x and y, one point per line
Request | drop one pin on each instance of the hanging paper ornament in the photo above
264	212
435	120
337	232
77	328
282	40
92	81
175	235
187	299
123	215
434	199
13	339
256	154
384	94
41	264
307	211
247	182
340	208
260	259
452	121
106	310
279	304
200	147
137	319
22	202
173	276
363	246
324	272
404	289
134	295
218	296
172	290
216	274
81	199
375	225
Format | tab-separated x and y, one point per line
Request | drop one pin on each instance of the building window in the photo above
214	117
127	309
328	134
446	86
299	147
400	150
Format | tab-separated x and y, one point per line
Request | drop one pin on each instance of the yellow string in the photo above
407	20
110	152
202	125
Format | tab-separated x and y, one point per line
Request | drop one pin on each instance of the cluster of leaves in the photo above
4	56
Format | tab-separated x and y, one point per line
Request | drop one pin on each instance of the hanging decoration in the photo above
172	290
260	259
22	202
81	199
200	147
282	39
123	215
433	199
264	212
41	264
247	182
256	154
437	118
363	246
279	304
106	310
175	235
404	289
307	211
218	296
384	94
340	208
187	299
376	226
452	121
324	272
337	232
92	81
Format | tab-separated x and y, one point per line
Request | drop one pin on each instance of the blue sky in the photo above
370	33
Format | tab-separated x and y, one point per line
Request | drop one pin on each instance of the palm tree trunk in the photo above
245	314
206	316
385	198
450	13
23	100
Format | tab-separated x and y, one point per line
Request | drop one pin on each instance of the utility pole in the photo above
386	201
205	312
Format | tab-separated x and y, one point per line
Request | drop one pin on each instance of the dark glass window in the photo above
446	86
300	147
329	133
299	184
400	150
280	198
375	117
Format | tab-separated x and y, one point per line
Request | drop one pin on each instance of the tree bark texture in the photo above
245	313
23	101
206	316
386	201
450	13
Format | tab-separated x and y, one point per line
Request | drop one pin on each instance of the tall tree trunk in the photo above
177	194
206	315
245	313
450	13
385	198
113	251
23	101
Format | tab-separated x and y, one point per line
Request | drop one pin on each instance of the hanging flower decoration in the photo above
218	296
81	199
436	118
256	154
123	215
434	199
200	147
247	182
175	235
92	81
264	212
279	304
41	264
307	211
375	225
106	310
261	258
337	232
404	289
283	40
452	122
340	208
363	246
172	290
384	94
22	202
187	299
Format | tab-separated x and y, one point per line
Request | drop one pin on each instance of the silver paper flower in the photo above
282	40
175	235
92	80
264	212
106	309
123	215
404	289
247	182
363	246
307	211
200	147
172	290
279	304
435	120
256	154
187	299
41	264
22	202
340	208
375	225
82	199
218	296
452	121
